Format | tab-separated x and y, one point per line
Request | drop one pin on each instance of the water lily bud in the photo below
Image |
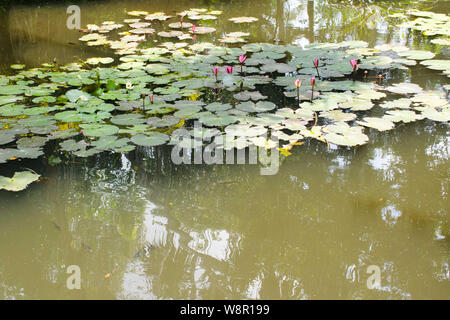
229	69
354	64
313	82
150	98
242	58
298	83
193	28
215	71
316	62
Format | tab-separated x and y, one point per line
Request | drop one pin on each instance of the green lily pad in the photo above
128	119
74	95
31	142
110	143
150	140
245	130
68	116
338	115
19	181
165	121
261	106
217	106
17	66
436	115
344	135
377	123
417	54
437	64
247	95
243	19
402	116
217	120
402	103
6	138
404	88
99	130
72	145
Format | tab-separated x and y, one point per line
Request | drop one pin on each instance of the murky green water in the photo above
139	226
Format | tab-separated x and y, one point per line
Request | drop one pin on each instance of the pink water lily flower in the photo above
242	58
193	28
313	82
354	64
316	63
215	71
150	98
298	83
229	69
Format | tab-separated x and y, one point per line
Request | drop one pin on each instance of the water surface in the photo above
162	231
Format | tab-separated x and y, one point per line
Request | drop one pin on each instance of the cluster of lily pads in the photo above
151	93
429	23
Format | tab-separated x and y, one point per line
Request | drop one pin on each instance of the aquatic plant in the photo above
242	59
298	84
313	83
316	65
106	102
354	64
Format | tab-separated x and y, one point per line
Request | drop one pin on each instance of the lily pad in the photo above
98	130
404	88
150	140
417	54
19	181
377	123
243	19
261	106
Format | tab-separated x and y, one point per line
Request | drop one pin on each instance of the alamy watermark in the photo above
374	280
74	19
74	280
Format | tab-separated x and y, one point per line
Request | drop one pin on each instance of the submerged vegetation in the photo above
143	95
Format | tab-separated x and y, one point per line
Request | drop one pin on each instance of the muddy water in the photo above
139	226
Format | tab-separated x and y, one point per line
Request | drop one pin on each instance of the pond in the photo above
359	154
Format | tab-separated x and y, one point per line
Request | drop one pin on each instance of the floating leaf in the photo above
128	119
338	115
96	61
404	88
19	181
245	130
247	95
243	19
213	120
150	140
402	116
17	66
74	95
401	103
342	134
377	123
417	54
98	130
261	106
